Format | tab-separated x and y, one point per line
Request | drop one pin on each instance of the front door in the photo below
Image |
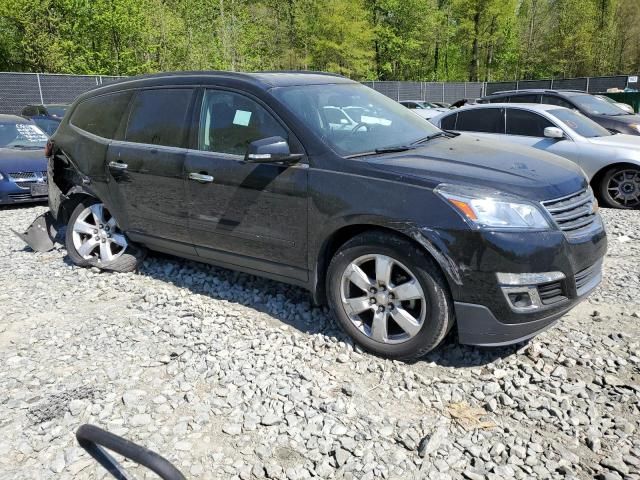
147	167
252	215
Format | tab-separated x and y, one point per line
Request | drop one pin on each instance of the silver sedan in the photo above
611	161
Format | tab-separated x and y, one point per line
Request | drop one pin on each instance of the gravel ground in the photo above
232	376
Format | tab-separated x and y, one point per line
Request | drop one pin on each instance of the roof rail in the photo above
538	90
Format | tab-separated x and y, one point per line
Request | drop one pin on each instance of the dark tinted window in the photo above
531	98
101	115
229	122
449	123
553	100
488	120
521	122
159	117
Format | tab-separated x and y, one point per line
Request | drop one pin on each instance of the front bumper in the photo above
484	313
13	192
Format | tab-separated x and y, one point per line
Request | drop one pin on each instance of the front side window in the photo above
159	117
484	120
531	98
101	115
21	135
229	122
382	123
553	100
522	122
579	123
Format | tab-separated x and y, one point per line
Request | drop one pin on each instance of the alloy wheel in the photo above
383	298
624	188
96	235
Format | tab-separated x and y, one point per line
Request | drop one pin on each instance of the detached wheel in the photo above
94	239
620	188
389	296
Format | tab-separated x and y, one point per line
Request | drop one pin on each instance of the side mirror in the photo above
270	150
553	132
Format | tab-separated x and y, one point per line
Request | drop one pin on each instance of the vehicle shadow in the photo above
292	306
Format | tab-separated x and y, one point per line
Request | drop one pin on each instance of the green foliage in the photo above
365	39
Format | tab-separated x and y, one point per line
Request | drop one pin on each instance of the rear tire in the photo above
389	296
93	239
620	188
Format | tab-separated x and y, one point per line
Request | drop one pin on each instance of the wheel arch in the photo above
345	233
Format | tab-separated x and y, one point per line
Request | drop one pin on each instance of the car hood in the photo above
619	140
626	119
14	160
469	160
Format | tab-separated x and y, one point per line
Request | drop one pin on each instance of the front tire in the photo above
389	296
94	239
620	188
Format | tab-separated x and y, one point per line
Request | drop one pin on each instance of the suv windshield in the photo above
596	106
380	123
21	135
579	123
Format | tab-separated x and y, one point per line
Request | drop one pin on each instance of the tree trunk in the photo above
475	58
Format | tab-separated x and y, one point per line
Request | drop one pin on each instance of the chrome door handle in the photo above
118	165
200	177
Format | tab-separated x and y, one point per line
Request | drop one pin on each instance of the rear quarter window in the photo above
101	115
449	123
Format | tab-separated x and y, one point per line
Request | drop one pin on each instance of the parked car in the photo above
423	109
441	104
612	162
47	117
598	110
402	229
23	166
624	106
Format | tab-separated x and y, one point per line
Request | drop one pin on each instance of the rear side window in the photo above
553	100
531	98
159	117
101	115
449	123
521	122
486	120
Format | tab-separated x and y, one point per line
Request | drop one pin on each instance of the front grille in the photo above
551	293
574	212
20	196
585	278
22	176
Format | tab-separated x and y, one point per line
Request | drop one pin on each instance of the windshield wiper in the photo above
19	145
394	148
443	133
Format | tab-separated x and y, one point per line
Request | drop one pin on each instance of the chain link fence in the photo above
20	89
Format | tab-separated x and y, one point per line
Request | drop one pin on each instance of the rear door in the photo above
481	121
246	214
147	167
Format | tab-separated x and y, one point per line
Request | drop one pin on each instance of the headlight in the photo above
492	209
1	177
635	126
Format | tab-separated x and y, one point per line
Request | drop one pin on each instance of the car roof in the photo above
524	91
265	80
6	118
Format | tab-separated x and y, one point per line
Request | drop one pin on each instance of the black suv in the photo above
600	111
403	229
47	117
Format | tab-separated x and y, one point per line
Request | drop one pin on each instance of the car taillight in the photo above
48	150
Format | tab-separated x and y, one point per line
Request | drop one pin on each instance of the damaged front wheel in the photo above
94	239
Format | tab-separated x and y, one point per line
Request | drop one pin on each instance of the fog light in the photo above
520	300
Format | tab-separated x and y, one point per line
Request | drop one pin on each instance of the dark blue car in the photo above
23	166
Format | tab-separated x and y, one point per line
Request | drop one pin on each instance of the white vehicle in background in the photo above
424	109
611	161
624	106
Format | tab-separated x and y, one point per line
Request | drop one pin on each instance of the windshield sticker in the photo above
242	118
30	132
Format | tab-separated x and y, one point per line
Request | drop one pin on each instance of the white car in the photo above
423	109
611	161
